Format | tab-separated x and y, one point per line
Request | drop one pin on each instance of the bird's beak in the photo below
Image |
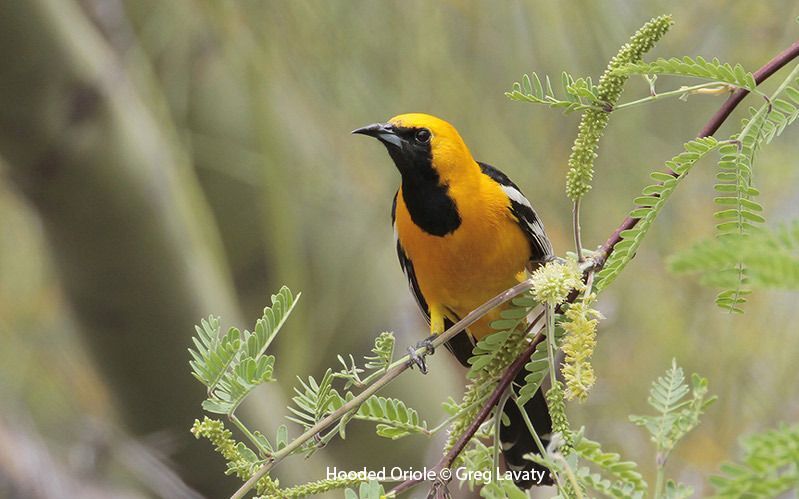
384	132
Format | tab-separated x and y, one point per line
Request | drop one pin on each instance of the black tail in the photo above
516	441
515	438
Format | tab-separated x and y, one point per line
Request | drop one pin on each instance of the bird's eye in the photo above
423	136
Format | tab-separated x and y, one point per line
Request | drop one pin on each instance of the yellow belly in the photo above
480	259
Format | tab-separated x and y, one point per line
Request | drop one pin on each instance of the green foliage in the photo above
650	203
739	211
593	470
770	466
771	258
377	364
696	67
393	417
313	488
608	90
625	479
383	352
316	400
477	456
231	365
573	92
313	400
581	463
490	354
491	358
784	111
368	490
677	412
740	215
241	460
674	490
536	369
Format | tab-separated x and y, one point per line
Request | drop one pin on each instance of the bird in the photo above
464	233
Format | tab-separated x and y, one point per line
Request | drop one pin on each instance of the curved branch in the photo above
712	126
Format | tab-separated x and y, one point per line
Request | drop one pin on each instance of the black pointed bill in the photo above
384	132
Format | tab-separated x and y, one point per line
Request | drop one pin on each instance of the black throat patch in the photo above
429	204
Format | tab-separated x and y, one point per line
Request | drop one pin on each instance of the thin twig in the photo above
578	241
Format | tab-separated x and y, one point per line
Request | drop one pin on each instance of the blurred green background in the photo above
163	161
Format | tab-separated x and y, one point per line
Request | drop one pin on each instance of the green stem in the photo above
263	451
671	93
578	243
659	481
541	449
497	425
551	347
570	475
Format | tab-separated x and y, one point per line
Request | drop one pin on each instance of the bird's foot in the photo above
418	359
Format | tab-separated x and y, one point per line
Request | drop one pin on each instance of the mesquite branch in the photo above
715	122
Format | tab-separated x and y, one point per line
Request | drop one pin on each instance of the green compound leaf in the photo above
696	67
233	364
677	412
770	257
681	165
769	468
739	214
574	94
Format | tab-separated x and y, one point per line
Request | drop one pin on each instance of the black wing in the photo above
461	344
540	247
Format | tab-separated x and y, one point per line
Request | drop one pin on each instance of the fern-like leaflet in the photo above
367	490
213	351
740	213
770	257
654	197
378	363
393	417
383	353
313	400
676	414
575	95
490	352
626	479
770	466
231	365
696	67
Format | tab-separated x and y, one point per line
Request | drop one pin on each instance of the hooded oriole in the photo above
464	233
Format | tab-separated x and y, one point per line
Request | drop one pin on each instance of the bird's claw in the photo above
417	359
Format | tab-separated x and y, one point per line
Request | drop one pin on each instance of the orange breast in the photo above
480	259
